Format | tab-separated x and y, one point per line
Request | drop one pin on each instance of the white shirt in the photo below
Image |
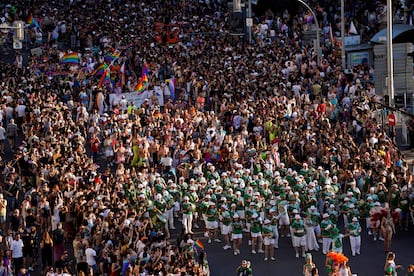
90	256
17	248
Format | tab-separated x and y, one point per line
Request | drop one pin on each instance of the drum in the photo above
161	218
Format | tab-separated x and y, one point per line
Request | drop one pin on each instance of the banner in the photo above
138	99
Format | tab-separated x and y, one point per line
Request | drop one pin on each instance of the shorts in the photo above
284	220
268	241
298	241
212	225
256	235
236	236
2	219
225	229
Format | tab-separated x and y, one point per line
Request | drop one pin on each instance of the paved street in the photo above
370	262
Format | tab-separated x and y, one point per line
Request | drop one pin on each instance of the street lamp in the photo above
318	39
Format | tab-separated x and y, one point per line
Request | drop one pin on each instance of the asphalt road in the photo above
370	262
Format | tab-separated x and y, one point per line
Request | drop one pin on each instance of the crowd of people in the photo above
257	142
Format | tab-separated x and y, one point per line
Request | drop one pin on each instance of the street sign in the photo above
249	22
391	119
17	45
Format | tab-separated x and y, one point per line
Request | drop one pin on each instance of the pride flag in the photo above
141	85
199	246
71	58
112	57
105	79
33	22
99	70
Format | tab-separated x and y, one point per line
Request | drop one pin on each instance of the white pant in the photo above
169	216
188	223
355	244
276	235
326	245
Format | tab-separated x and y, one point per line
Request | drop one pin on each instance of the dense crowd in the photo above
259	142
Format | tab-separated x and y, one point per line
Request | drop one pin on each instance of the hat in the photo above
236	215
252	203
346	199
332	206
349	194
325	215
377	204
190	241
186	198
297	216
354	219
351	205
312	207
266	221
369	198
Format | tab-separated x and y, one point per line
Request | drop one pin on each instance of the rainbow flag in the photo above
105	79
112	57
144	74
199	246
33	22
71	58
99	70
141	85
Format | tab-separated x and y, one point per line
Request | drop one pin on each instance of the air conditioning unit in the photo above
17	45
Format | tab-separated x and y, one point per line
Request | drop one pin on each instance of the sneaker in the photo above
250	242
375	238
272	258
235	253
206	234
30	268
238	251
353	254
276	246
381	238
297	255
209	241
172	228
370	233
253	251
217	240
196	226
288	235
265	259
303	255
260	251
358	253
226	247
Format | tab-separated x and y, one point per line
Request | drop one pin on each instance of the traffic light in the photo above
19	30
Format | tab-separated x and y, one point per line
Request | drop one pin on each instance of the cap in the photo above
377	204
266	221
325	215
369	198
235	215
186	198
351	205
354	219
313	207
297	216
331	206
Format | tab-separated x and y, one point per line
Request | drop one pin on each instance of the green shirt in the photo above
237	227
298	228
187	208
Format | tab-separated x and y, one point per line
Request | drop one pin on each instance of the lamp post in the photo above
343	34
318	39
390	65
